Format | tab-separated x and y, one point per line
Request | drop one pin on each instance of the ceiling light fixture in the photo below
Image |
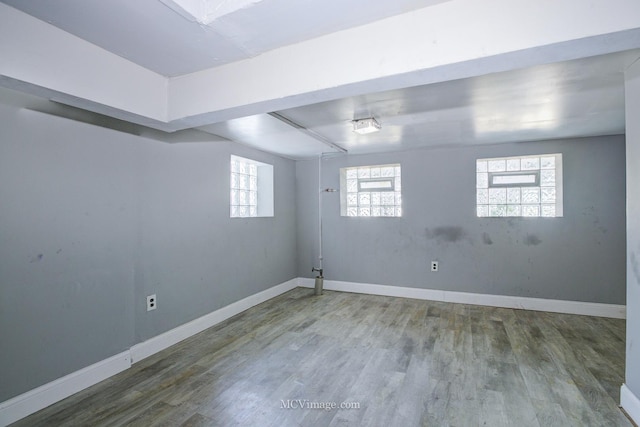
365	126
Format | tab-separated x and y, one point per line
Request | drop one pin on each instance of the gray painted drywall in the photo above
632	379
92	220
67	236
192	255
578	257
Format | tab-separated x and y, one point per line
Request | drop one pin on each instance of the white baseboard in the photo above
174	336
630	403
524	303
39	398
34	400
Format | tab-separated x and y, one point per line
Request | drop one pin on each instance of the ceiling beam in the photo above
309	132
37	54
451	40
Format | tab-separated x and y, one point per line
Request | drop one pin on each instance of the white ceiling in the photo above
568	98
583	97
155	35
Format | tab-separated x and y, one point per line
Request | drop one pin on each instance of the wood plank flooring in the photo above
402	362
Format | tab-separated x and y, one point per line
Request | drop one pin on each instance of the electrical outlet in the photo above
152	302
434	265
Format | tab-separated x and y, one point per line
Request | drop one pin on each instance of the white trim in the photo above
630	403
160	342
524	303
39	398
32	401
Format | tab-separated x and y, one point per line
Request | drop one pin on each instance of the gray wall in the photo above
633	228
92	220
579	257
67	236
191	253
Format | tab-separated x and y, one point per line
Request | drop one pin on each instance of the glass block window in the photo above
525	186
251	188
371	191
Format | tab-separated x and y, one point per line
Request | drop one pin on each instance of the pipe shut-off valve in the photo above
319	285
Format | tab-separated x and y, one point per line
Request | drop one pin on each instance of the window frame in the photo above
395	187
264	200
548	185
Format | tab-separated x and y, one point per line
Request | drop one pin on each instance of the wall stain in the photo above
36	258
447	234
600	227
532	240
58	251
486	239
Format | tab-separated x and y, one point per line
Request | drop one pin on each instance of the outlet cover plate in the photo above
152	302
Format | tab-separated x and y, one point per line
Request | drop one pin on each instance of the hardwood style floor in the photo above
403	362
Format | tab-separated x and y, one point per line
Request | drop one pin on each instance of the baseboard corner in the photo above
630	403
